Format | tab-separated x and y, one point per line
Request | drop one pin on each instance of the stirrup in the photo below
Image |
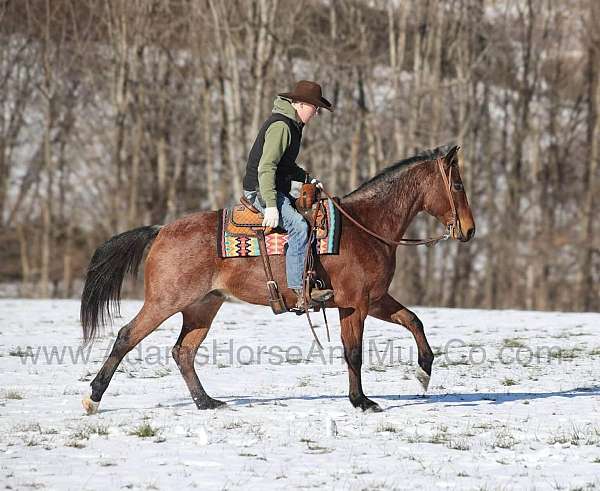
321	295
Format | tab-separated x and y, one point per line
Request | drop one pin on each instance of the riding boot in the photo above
300	302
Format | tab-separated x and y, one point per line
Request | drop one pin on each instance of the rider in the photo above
272	166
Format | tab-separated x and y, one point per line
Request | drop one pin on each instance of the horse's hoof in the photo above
211	404
367	405
90	407
375	408
423	377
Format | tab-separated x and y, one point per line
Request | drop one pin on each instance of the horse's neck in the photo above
386	211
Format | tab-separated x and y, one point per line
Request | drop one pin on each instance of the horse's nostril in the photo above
470	233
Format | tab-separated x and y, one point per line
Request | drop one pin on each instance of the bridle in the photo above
451	228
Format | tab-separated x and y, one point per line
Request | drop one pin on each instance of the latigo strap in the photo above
275	299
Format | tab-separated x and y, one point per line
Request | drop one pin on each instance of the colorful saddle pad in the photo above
235	240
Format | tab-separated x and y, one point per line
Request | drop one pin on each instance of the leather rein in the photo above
450	227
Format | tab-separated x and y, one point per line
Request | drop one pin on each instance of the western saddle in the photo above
246	220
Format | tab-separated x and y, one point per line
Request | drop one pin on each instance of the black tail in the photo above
118	256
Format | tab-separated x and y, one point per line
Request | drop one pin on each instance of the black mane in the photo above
388	175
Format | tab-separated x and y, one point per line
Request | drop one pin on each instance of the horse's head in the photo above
445	196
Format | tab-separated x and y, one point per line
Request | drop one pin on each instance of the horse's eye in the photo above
458	186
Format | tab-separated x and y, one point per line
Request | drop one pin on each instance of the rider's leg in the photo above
297	229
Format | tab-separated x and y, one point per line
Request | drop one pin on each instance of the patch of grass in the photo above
561	437
568	334
464	360
440	435
31	442
459	444
508	382
590	435
513	343
100	430
232	424
566	353
303	381
144	431
595	351
13	395
312	447
377	368
438	350
18	351
247	454
75	444
415	438
30	427
596	460
161	372
387	427
504	439
84	432
85	377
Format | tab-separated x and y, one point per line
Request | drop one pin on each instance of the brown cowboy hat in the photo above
309	92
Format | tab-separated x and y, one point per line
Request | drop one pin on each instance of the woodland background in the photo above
121	113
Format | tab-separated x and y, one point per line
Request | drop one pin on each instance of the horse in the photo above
183	272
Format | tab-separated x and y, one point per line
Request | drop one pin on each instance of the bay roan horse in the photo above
184	274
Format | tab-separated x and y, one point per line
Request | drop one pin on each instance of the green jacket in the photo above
277	140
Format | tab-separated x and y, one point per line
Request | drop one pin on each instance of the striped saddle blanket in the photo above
236	240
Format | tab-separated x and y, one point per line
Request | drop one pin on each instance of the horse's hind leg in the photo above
388	309
197	319
146	321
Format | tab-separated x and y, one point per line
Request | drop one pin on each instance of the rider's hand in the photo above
271	217
316	182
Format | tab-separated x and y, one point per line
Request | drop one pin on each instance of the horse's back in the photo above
194	225
188	241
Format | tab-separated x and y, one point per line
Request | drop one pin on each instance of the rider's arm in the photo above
277	140
299	174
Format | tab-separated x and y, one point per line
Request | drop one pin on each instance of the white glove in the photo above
316	182
271	217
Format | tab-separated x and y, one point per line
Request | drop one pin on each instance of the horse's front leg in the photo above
352	326
388	309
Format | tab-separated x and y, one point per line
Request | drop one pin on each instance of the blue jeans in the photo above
297	229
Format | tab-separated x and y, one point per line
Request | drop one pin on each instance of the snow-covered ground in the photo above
514	403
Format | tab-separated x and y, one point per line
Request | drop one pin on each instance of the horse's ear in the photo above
451	156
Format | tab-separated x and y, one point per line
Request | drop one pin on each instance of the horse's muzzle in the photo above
457	233
466	237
